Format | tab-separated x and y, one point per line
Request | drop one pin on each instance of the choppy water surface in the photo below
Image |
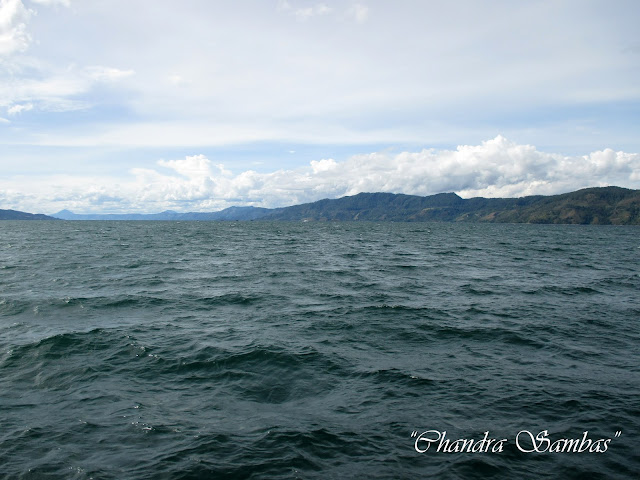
287	350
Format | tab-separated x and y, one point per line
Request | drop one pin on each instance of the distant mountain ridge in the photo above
17	215
231	213
598	205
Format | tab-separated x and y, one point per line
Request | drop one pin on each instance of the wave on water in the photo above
315	350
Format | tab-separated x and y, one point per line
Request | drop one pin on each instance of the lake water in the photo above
318	350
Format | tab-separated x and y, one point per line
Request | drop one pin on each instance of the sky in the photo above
113	106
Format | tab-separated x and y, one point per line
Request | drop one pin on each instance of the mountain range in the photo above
599	205
231	213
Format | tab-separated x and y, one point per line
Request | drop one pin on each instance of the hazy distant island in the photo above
601	206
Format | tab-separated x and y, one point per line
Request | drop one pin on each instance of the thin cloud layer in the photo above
495	168
319	71
65	3
29	83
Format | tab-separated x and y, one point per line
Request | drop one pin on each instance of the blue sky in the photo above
137	106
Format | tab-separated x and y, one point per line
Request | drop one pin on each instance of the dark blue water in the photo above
314	350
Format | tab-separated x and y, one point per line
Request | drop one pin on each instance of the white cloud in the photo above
16	109
14	18
283	5
358	12
323	165
313	11
252	78
64	3
177	80
4	120
101	73
26	81
30	85
496	167
13	26
196	166
413	69
50	91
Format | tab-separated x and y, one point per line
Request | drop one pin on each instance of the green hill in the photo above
604	206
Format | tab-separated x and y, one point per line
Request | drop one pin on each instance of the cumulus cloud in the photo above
495	168
191	167
323	165
13	26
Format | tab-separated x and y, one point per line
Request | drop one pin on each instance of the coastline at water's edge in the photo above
598	205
